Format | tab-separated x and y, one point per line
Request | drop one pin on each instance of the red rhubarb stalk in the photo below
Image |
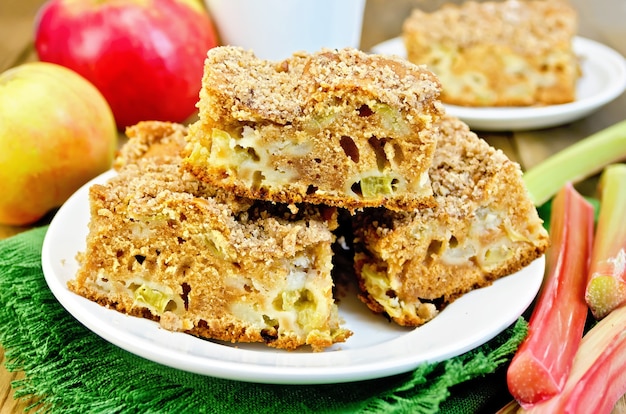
541	365
606	286
598	376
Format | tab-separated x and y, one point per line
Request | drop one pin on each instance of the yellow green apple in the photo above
56	133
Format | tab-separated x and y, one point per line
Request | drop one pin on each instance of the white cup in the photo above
603	20
274	29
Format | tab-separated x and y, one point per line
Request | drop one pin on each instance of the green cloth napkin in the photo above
71	370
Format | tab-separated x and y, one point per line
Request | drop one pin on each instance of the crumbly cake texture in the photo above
164	246
510	53
336	127
412	264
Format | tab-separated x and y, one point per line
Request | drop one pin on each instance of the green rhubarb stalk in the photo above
542	363
606	286
576	162
598	376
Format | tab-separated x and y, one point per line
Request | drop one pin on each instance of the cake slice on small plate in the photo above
412	264
336	127
498	53
164	246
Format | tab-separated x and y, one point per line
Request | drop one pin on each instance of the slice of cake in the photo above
411	264
337	127
514	52
162	245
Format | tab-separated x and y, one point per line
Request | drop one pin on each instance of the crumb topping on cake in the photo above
259	90
528	26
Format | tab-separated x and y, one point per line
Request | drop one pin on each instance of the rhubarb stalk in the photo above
576	162
606	286
598	376
541	365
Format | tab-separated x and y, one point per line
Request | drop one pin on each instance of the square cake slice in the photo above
508	53
411	264
336	127
162	245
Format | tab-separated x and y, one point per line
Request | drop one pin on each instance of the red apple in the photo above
145	56
56	133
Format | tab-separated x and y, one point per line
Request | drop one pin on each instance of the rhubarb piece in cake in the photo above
411	264
162	245
514	52
337	127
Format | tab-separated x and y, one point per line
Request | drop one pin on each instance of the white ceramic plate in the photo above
377	348
603	79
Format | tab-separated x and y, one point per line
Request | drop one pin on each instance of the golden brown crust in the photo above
510	53
339	127
164	246
157	142
484	227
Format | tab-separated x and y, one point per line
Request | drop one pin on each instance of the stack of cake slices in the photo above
225	229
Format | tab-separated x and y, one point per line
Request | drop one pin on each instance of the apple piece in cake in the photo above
336	127
411	264
509	53
163	246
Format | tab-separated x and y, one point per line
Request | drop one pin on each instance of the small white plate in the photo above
603	79
377	348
